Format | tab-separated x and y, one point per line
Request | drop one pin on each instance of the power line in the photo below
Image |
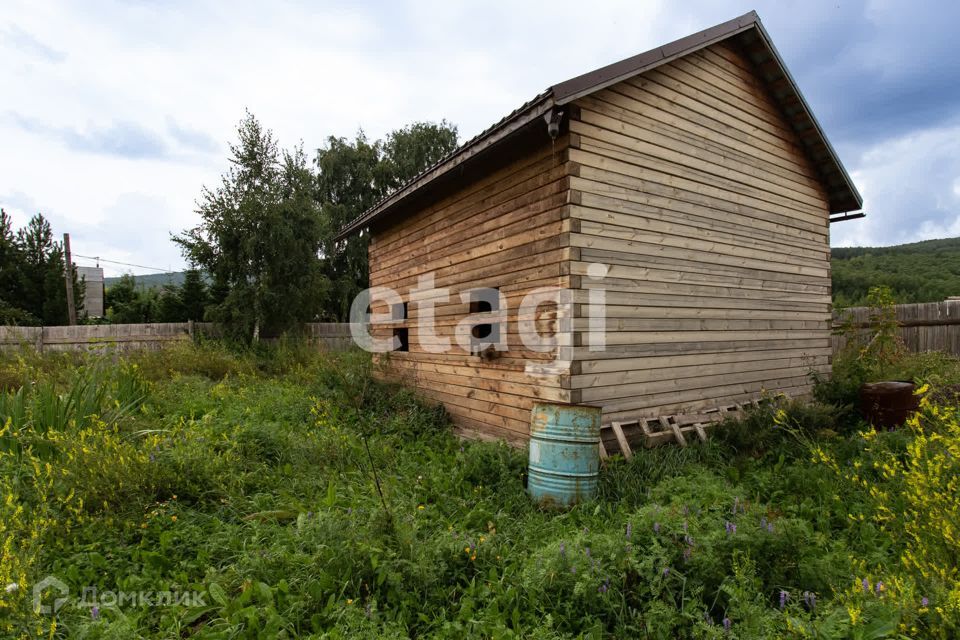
125	264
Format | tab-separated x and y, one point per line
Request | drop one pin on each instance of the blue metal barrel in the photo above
564	454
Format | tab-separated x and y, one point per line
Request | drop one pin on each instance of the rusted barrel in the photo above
886	405
564	454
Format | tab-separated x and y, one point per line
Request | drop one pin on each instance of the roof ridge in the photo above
843	197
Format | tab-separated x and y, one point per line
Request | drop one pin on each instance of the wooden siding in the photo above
689	185
509	229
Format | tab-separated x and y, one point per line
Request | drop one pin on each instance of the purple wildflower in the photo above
784	595
666	571
731	528
770	527
810	599
586	550
367	610
309	514
727	623
878	587
707	618
153	458
924	602
656	527
95	612
763	522
688	540
865	584
687	552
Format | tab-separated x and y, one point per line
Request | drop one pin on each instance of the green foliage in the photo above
351	178
920	272
32	268
259	237
874	353
127	303
243	475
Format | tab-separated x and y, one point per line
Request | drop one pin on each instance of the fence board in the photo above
332	336
927	326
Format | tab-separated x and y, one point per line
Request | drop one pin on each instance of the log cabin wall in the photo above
508	229
689	184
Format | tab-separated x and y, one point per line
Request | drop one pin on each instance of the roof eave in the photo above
856	201
841	192
528	113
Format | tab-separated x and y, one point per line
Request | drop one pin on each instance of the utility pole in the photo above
68	274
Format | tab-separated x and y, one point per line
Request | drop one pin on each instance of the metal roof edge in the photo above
590	82
768	41
521	116
606	76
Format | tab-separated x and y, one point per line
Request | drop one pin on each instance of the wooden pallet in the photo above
678	429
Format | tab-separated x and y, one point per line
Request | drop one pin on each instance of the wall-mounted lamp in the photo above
553	118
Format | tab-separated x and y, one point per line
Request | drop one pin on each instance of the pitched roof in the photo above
843	195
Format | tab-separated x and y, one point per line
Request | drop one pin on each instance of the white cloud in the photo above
910	190
128	106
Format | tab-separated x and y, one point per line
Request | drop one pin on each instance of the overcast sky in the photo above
114	114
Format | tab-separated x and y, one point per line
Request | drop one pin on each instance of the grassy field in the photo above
207	494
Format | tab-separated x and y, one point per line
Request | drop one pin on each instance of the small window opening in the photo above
402	334
481	331
399	311
485	333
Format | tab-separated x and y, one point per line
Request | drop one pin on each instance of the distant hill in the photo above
919	272
151	280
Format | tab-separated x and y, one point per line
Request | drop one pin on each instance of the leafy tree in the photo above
407	152
170	306
351	178
127	303
259	237
11	274
349	181
38	286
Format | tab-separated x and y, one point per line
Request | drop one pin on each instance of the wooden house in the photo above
695	174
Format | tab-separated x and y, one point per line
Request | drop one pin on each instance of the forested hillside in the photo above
152	280
920	272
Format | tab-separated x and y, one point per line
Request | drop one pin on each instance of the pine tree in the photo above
193	295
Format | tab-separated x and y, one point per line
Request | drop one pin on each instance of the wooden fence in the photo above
928	326
333	336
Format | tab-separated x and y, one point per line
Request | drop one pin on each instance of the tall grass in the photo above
249	477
